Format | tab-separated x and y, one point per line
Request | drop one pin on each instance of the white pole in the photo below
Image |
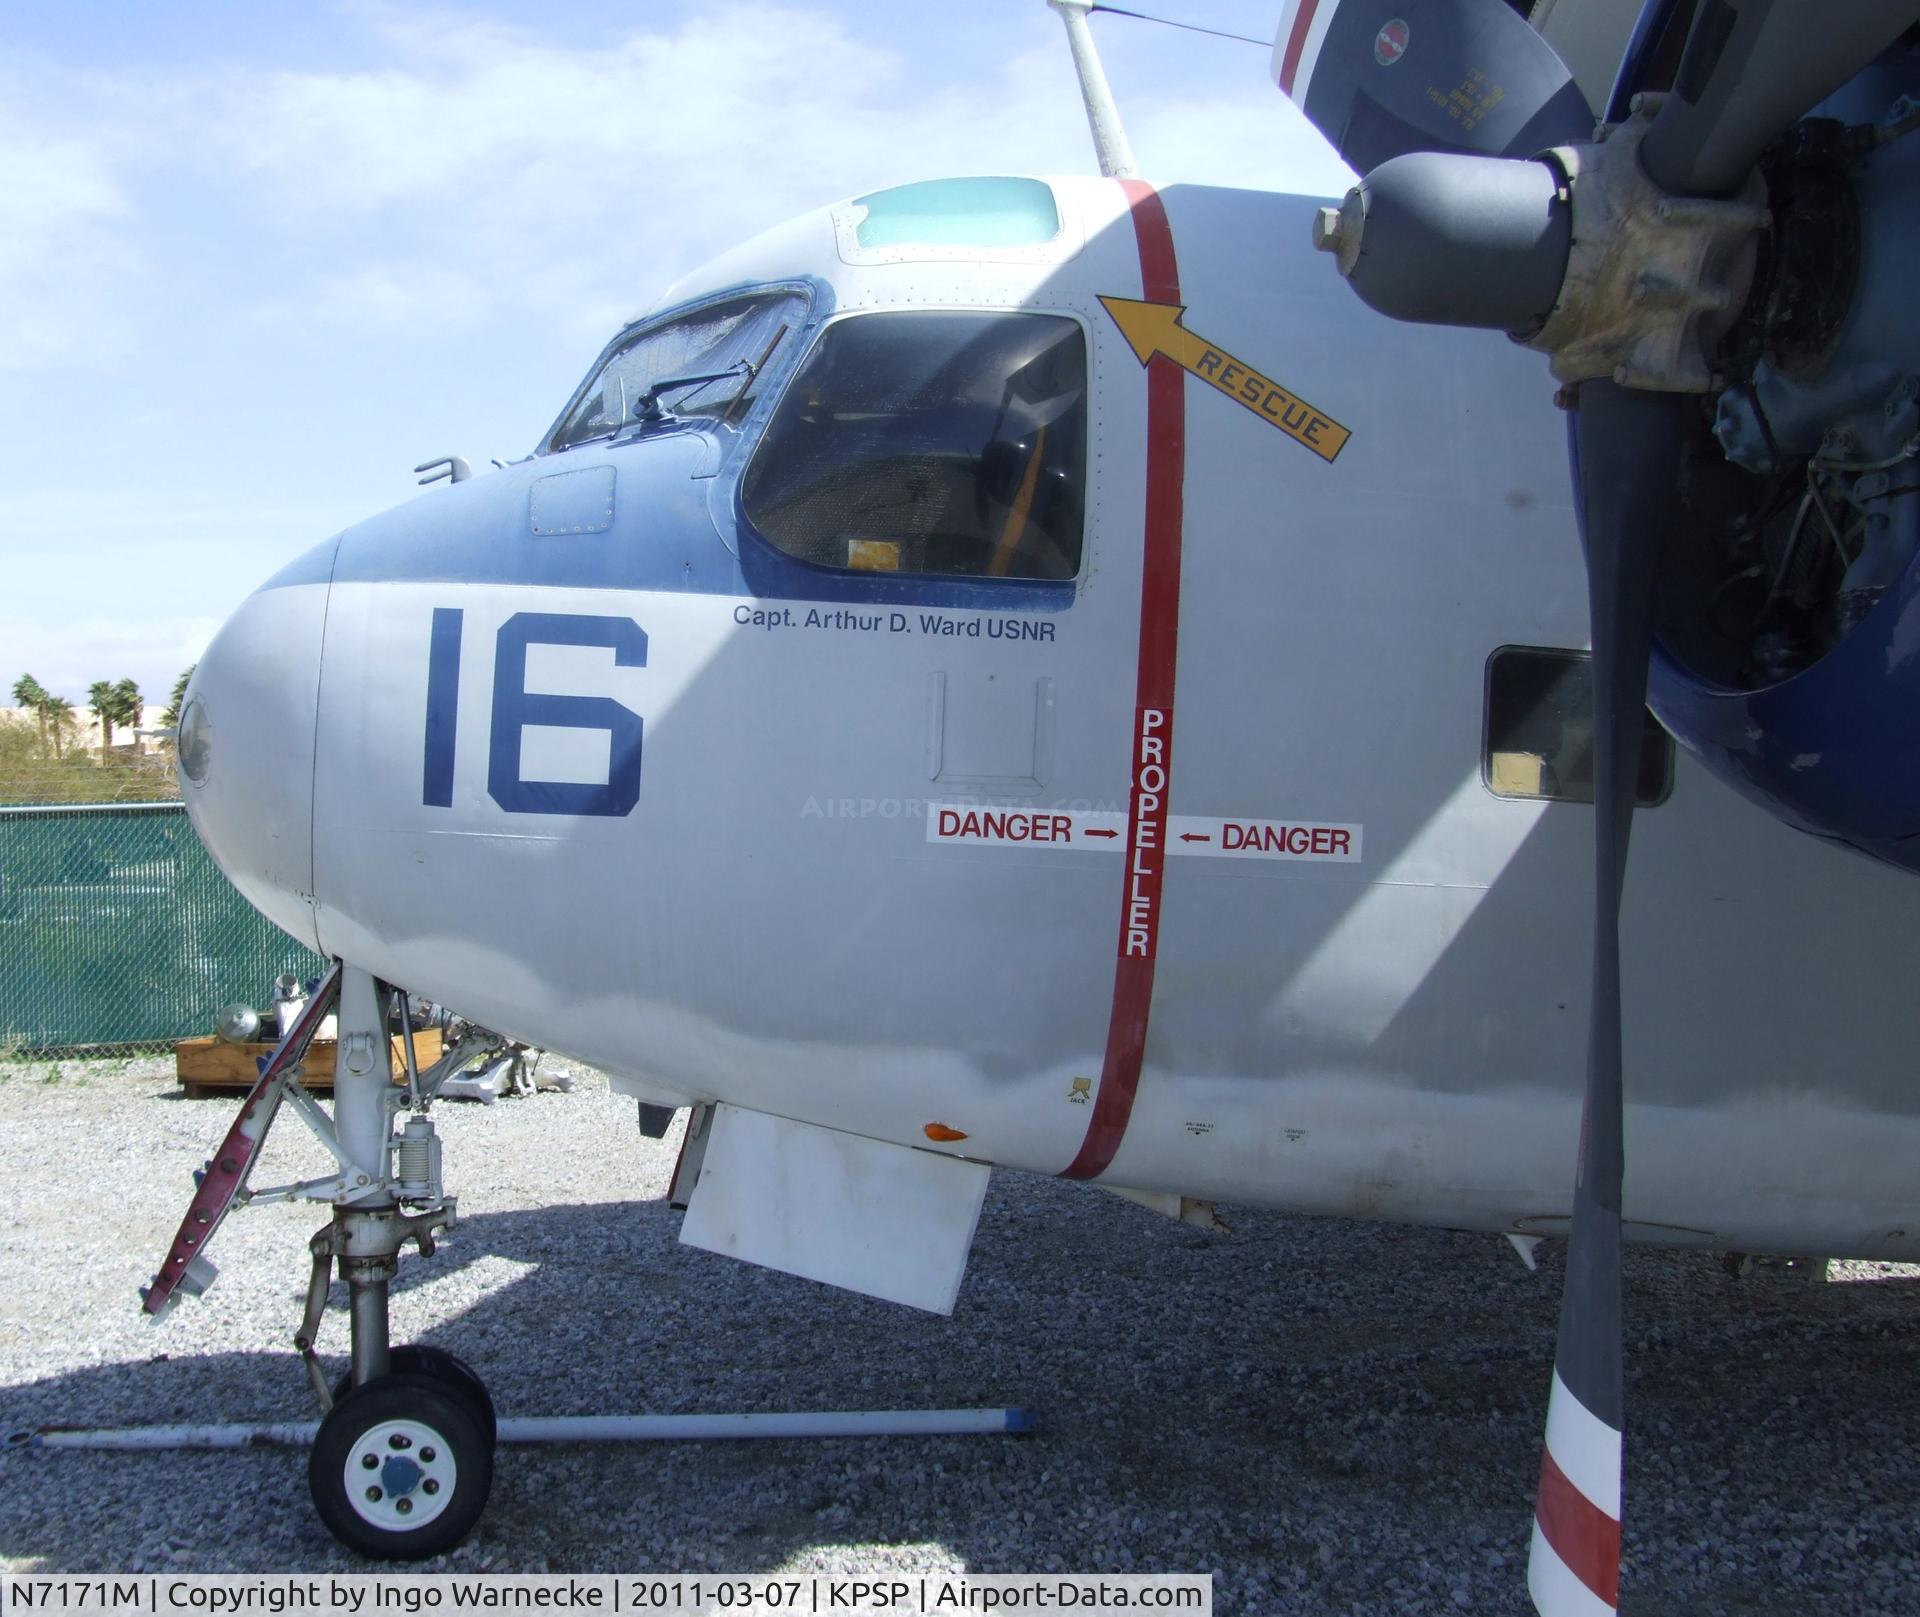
831	1423
566	1429
1103	117
276	1434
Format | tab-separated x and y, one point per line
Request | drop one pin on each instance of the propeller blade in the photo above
1627	449
1426	76
1750	68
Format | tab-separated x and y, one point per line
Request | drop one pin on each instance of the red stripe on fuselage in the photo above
1151	750
1296	43
1583	1535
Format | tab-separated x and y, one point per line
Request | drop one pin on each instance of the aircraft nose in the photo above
246	744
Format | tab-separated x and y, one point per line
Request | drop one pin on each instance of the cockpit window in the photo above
732	340
931	442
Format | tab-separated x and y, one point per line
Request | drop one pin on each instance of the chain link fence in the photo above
116	929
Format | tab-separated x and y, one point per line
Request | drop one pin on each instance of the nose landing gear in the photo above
403	1461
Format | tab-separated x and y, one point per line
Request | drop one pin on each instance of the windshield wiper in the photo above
760	365
649	412
650	409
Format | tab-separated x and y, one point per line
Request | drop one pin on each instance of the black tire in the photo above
437	1364
401	1468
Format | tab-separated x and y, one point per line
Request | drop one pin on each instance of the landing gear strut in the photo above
403	1461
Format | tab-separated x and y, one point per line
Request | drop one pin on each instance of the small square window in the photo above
1538	741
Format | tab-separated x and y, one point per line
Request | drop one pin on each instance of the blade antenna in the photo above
1103	117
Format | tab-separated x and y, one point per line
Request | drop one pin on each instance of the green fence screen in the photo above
117	929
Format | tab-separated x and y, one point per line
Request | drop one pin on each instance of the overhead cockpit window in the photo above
647	376
931	442
994	213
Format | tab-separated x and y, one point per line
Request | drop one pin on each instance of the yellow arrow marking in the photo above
1155	328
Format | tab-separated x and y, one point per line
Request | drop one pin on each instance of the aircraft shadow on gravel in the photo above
1238	1393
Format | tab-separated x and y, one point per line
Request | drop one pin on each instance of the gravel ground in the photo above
1330	1417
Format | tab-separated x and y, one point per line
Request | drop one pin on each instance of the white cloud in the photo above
533	178
106	584
508	153
60	251
68	656
1251	136
472	170
416	295
120	526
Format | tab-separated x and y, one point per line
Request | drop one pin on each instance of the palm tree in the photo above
106	708
60	720
126	696
170	714
29	693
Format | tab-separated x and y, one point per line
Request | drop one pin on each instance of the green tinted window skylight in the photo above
993	213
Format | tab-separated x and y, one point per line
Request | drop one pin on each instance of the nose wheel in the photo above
402	1465
438	1365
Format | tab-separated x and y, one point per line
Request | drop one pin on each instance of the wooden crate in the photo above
214	1067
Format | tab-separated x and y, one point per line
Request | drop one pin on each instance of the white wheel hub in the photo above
400	1475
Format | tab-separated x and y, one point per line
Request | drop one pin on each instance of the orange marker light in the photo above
940	1132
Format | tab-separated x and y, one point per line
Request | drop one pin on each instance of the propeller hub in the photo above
1453	239
1652	279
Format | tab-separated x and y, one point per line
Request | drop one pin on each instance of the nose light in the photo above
195	742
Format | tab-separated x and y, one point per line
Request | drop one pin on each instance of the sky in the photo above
257	259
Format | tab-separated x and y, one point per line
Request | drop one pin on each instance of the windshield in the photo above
924	441
717	338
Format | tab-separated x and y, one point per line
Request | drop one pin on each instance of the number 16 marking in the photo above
515	707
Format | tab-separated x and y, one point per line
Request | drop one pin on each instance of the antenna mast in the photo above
1103	117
